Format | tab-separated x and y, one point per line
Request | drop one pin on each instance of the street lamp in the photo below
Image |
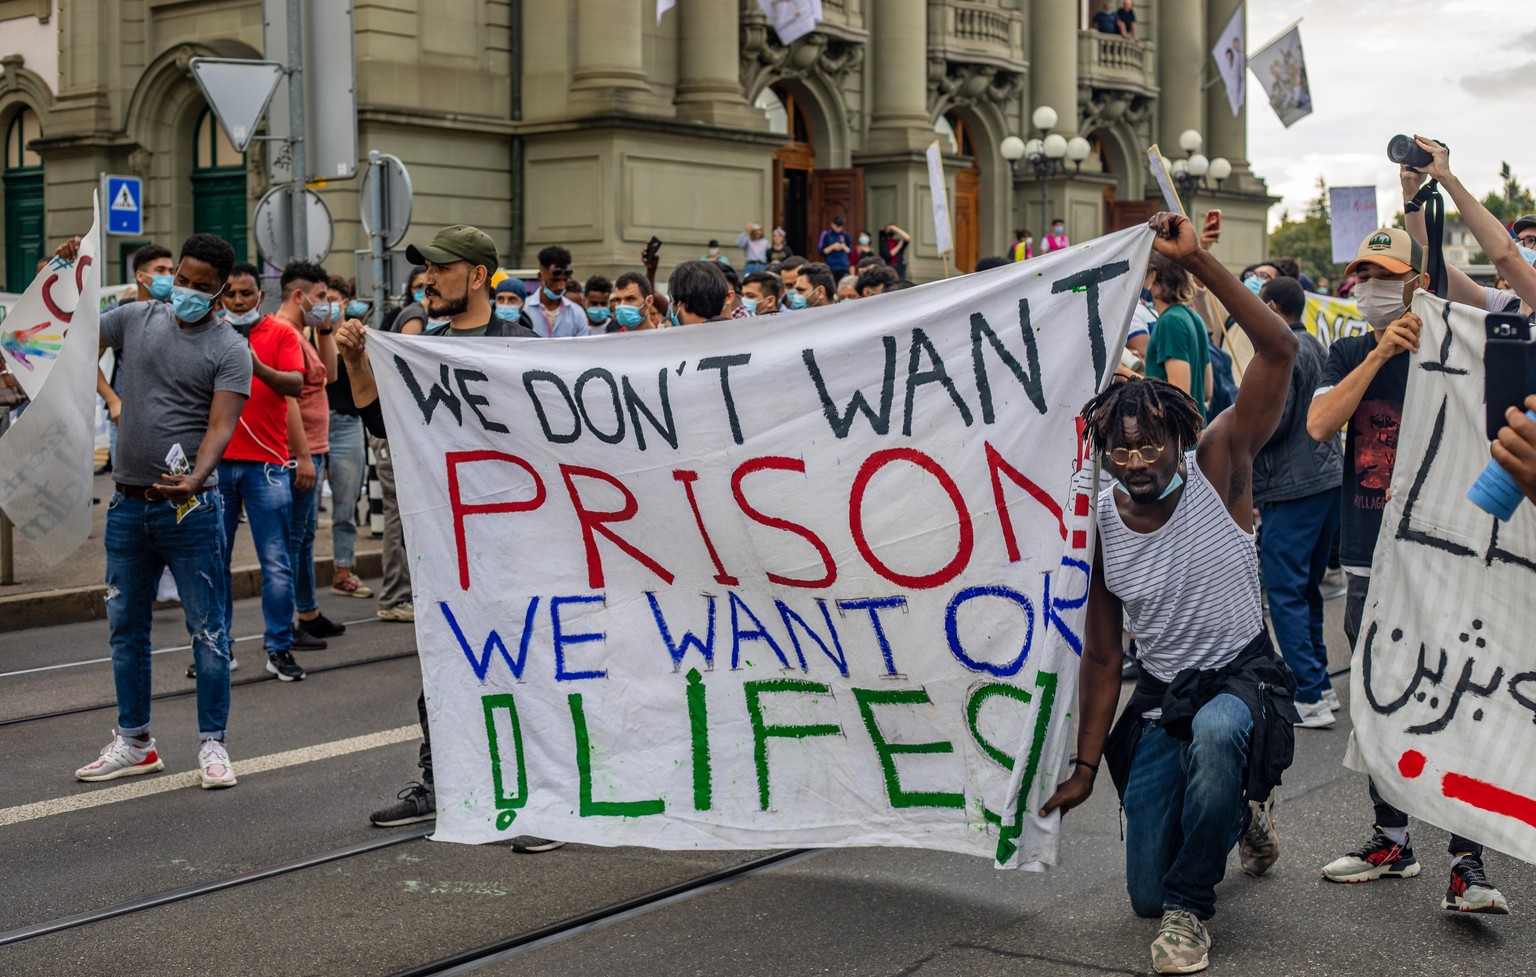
1045	154
1189	174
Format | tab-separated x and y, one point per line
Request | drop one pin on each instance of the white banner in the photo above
1351	219
942	237
818	581
1232	61
1282	69
791	19
47	455
1444	684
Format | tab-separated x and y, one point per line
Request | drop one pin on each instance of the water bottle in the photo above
1495	492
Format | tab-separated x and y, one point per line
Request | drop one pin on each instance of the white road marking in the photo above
148	785
157	651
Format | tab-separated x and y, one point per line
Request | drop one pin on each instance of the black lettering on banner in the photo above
1405	530
637	407
544	376
1030	380
1499	553
1091	279
724	364
1445	349
598	373
857	404
440	393
475	401
1420	673
935	374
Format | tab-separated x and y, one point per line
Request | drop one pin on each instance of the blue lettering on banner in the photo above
952	629
679	650
562	640
482	665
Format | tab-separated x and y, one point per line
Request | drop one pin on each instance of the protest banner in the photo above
1443	689
47	455
817	580
1327	317
1351	219
942	237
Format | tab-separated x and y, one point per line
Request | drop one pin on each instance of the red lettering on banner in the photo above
594	522
462	509
688	478
996	468
48	302
912	456
84	263
778	463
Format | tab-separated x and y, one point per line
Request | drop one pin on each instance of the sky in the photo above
1458	71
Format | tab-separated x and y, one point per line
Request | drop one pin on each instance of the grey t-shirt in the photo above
167	384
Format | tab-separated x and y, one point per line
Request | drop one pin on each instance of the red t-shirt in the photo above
314	408
262	434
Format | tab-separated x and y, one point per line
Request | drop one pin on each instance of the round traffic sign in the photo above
387	192
271	222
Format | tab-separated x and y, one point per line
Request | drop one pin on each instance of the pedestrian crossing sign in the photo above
125	210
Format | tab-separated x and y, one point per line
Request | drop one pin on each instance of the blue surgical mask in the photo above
598	314
1255	283
1173	485
437	323
356	308
419	296
507	313
1146	295
796	300
161	286
552	295
672	317
629	316
749	304
243	319
190	305
1527	254
335	311
316	315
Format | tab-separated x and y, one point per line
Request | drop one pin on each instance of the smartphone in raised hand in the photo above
1210	231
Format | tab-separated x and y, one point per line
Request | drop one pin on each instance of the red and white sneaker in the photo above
213	763
350	586
120	758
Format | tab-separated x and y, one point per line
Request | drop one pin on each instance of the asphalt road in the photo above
341	744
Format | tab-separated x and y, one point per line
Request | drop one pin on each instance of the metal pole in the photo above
380	174
1045	202
7	552
298	218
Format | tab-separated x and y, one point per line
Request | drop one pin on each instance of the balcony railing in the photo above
1110	61
961	27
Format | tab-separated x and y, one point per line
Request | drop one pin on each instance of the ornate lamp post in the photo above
1046	155
1189	174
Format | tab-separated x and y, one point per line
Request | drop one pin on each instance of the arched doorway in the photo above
965	212
23	181
218	185
805	199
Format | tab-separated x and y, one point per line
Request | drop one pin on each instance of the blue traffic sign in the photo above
125	205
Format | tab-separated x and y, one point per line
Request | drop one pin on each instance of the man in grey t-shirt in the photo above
183	385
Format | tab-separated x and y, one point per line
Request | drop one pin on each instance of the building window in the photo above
22	130
23	190
211	146
219	204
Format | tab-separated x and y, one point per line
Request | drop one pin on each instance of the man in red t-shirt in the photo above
255	473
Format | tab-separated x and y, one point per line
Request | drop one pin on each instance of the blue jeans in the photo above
268	501
142	538
346	463
301	541
1184	810
1293	555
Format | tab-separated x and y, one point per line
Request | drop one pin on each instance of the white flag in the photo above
1282	69
662	6
47	455
791	19
1231	59
936	189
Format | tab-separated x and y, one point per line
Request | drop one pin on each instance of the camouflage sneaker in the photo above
1259	848
1183	944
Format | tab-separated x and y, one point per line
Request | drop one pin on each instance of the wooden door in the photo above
835	193
967	219
1120	214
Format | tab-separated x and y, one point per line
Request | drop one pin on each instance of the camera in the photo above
1403	150
1509	364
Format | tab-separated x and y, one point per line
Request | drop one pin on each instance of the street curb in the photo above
77	604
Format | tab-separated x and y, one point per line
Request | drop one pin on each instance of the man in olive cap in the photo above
460	262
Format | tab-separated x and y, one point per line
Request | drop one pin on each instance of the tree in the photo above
1514	201
1308	239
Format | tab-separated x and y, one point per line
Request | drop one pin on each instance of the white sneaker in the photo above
1331	699
213	763
121	758
1314	715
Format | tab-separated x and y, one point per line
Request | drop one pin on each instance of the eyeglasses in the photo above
1527	241
1146	454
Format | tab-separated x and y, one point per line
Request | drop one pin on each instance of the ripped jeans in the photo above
142	538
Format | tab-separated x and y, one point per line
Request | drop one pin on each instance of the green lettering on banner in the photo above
698	721
1007	841
594	808
761	730
972	715
887	751
506	804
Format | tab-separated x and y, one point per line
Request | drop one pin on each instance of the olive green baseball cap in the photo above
460	242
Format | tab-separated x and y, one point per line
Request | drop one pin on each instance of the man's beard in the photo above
441	308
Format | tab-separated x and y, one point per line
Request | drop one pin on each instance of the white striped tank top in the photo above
1191	587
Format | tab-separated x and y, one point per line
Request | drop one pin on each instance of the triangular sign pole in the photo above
238	92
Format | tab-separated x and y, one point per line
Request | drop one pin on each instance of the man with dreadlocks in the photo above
1207	731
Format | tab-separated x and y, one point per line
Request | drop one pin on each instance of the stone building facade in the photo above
587	123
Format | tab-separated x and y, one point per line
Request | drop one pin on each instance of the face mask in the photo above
1527	254
436	323
1057	228
863	238
672	317
749	304
552	295
335	311
796	300
244	319
190	305
507	313
419	296
628	316
1173	486
598	314
356	308
317	314
1254	283
1146	295
160	287
1380	301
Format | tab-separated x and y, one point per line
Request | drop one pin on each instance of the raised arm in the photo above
1490	234
1458	286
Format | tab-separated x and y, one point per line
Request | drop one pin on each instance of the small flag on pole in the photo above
1282	69
1231	59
